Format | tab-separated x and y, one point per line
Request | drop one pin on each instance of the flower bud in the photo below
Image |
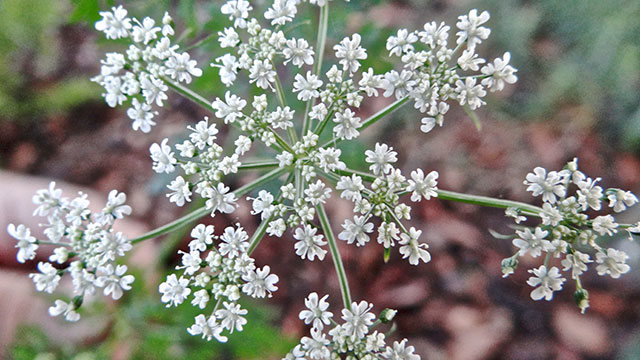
581	297
509	265
387	315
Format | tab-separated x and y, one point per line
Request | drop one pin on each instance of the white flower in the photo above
228	69
202	236
400	351
545	282
230	109
317	193
27	244
259	282
276	228
234	242
114	280
548	185
349	52
115	208
533	243
281	12
412	249
619	200
238	10
262	74
281	118
181	67
309	244
551	215
329	159
47	280
612	262
141	115
228	38
370	83
243	144
401	43
316	311
68	309
48	200
231	316
499	72
421	186
605	225
145	32
470	93
434	35
577	262
263	204
348	125
400	84
114	24
381	159
357	320
181	191
307	87
153	89
351	187
220	199
209	328
78	209
203	134
316	346
162	156
356	230
514	213
298	52
200	298
470	29
470	61
387	233
174	291
191	262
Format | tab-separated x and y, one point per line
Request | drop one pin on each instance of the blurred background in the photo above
578	95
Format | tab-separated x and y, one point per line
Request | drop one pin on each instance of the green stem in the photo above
460	197
188	93
258	235
197	214
488	201
323	25
335	255
375	117
253	165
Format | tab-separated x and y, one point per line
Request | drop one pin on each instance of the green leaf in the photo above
85	10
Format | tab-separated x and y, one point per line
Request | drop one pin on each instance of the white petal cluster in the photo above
140	74
216	271
86	247
568	230
353	337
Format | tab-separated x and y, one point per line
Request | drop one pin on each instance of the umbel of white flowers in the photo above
218	268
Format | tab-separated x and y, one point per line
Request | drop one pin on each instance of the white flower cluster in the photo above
217	274
431	73
200	155
140	73
350	340
569	231
86	247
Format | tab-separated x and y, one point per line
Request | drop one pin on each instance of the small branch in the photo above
199	213
335	255
323	24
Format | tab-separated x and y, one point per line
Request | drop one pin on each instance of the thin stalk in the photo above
335	255
323	25
375	117
460	197
197	214
188	93
258	235
201	41
283	102
254	165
